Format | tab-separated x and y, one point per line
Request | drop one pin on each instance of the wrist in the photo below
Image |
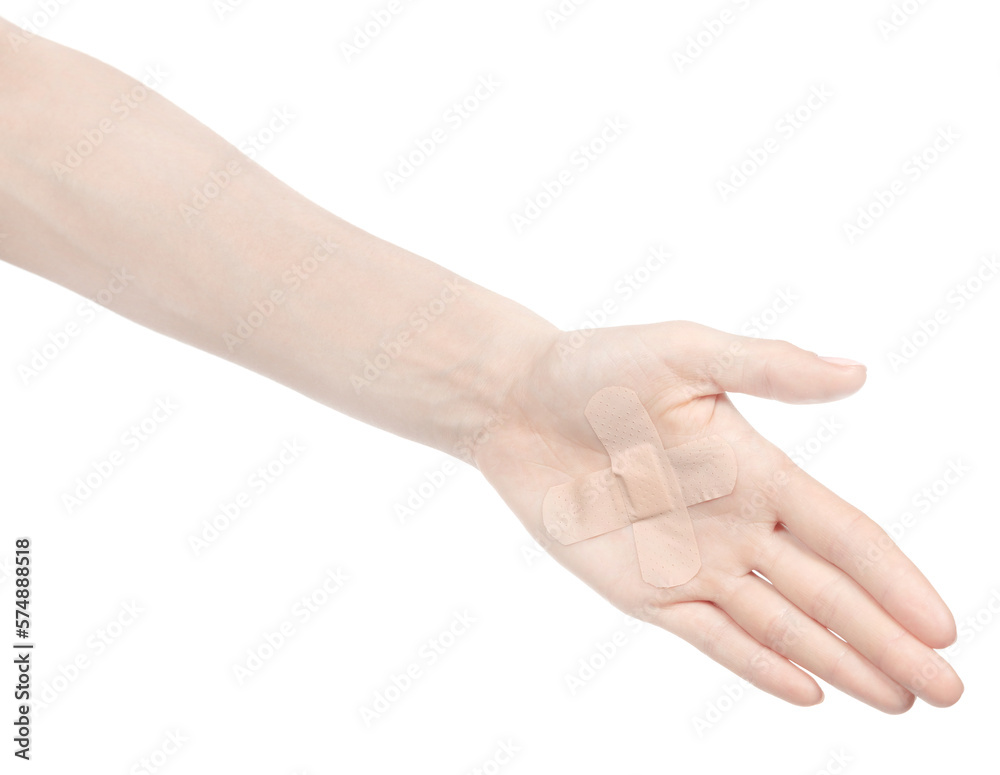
506	342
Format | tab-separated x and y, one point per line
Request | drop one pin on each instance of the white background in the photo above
462	551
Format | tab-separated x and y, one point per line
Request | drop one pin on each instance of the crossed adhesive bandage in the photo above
647	486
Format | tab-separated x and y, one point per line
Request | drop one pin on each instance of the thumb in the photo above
720	362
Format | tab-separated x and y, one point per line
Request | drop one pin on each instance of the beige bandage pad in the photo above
647	486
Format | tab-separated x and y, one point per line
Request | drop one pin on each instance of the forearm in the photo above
218	253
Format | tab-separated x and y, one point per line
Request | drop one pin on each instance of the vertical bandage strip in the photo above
647	486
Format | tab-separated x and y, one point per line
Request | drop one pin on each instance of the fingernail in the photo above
840	361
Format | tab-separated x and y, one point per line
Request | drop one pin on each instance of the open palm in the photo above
785	562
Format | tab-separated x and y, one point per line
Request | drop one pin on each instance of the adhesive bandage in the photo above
647	486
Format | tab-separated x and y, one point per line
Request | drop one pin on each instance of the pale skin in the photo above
485	378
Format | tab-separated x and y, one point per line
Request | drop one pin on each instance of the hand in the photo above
785	562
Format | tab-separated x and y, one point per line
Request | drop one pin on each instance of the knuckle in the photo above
827	602
762	663
711	640
783	631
